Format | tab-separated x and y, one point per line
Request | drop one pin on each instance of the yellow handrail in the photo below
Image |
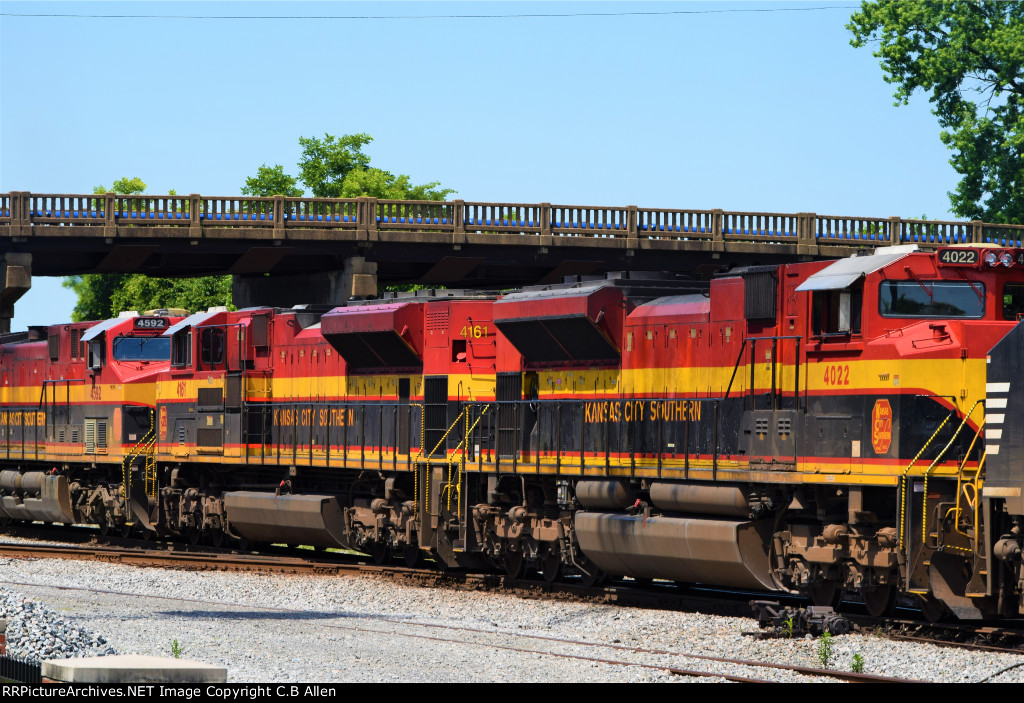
903	479
938	458
143	446
463	445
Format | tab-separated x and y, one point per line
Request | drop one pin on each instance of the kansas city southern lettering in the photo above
23	418
336	417
638	410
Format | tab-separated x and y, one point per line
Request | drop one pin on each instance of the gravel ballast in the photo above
275	628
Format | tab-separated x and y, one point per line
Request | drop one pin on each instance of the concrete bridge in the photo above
329	250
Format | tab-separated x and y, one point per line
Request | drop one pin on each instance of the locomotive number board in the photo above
956	256
959	257
152	323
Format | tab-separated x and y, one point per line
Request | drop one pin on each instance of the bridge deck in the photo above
431	242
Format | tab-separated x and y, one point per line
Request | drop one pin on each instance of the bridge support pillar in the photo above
357	280
16	279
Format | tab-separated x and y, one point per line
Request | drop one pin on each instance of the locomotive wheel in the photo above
824	593
216	536
412	556
127	529
551	566
594	579
194	535
932	608
105	528
880	600
378	551
515	565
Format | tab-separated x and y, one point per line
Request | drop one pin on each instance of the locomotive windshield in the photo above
932	299
142	349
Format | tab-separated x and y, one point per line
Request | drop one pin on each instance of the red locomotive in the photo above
821	428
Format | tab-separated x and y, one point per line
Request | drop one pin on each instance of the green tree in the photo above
140	292
325	162
970	57
105	295
337	167
124	186
94	291
270	181
375	183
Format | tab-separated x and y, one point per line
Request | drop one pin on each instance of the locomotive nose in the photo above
1004	450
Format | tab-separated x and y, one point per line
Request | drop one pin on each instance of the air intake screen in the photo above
760	293
374	350
571	338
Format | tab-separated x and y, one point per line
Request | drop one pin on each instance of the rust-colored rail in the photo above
24	214
180	559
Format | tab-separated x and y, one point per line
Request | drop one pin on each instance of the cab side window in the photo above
837	312
181	349
96	353
211	344
1013	301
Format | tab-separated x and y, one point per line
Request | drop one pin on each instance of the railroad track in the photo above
682	664
661	596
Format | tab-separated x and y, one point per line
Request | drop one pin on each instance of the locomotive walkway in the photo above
326	250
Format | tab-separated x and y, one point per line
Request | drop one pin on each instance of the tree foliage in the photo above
270	181
376	183
94	291
337	167
141	292
124	186
105	295
326	162
970	57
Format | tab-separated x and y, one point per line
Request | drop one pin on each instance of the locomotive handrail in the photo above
146	444
463	445
935	461
903	497
753	343
961	490
445	435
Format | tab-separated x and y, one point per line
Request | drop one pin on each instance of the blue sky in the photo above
741	106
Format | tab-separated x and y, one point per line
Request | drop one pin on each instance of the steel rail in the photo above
289	565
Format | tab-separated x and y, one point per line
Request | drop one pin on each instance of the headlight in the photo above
1006	259
991	259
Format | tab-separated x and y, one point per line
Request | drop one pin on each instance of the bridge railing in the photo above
228	212
146	210
863	231
481	218
80	210
444	218
317	213
583	221
770	226
417	215
1003	235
